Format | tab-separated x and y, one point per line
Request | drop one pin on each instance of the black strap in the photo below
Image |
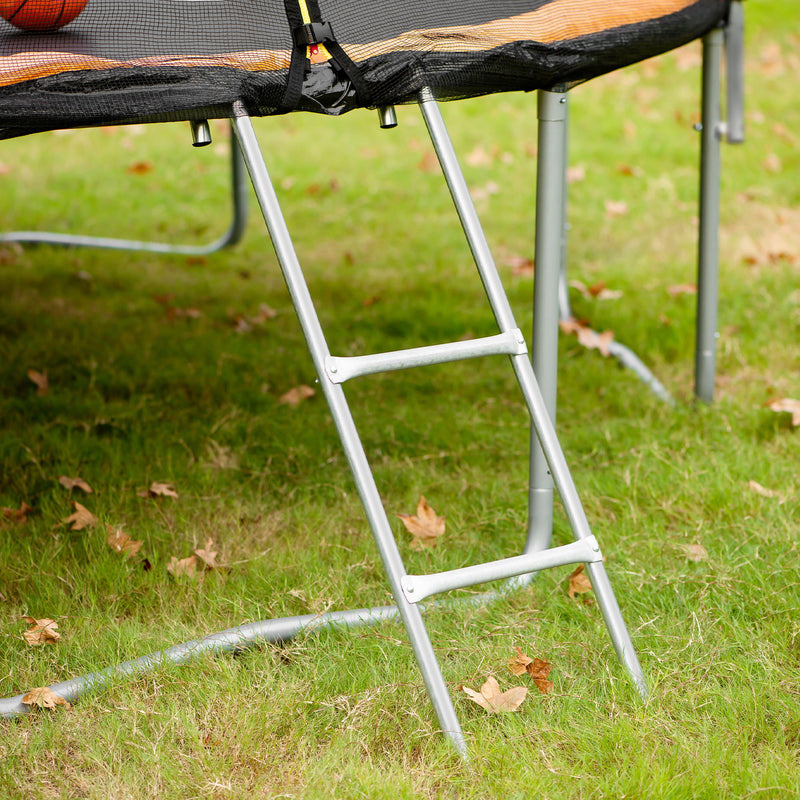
299	60
305	35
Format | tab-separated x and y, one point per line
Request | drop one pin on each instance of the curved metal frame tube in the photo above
233	235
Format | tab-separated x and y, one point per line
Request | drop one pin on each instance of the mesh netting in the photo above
125	60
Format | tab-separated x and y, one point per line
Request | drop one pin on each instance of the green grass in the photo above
138	395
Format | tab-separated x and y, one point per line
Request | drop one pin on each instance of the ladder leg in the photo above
553	465
708	238
370	498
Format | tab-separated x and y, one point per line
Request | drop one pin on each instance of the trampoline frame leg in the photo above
234	233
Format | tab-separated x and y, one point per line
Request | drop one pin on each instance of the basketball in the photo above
40	15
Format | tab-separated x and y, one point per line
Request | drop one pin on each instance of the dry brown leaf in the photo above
521	266
140	168
44	697
120	542
682	288
296	396
597	291
42	631
182	566
537	668
40	379
579	582
479	157
75	483
616	208
159	490
429	163
753	486
772	163
576	174
493	700
696	552
208	555
425	526
82	518
786	404
19	516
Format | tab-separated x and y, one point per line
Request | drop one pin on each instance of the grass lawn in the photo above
174	370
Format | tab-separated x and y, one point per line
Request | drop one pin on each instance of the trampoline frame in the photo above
536	377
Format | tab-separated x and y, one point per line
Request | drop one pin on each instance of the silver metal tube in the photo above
734	80
549	253
359	465
418	587
340	369
229	238
708	235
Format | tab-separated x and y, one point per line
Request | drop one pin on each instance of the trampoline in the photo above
121	61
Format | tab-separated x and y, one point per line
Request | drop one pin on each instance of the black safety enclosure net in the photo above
119	61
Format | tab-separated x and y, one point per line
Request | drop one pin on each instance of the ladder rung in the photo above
341	368
418	587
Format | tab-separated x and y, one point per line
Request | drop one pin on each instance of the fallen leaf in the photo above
140	168
296	396
158	490
120	542
425	526
596	341
44	698
597	291
182	566
537	668
753	486
19	516
772	163
429	163
40	379
629	170
478	157
75	483
207	555
521	266
579	582
82	518
786	404
493	700
42	631
616	208
682	288
696	552
576	174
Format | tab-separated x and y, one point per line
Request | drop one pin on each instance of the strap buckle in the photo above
312	34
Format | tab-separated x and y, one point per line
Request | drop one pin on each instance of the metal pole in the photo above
550	208
359	465
708	236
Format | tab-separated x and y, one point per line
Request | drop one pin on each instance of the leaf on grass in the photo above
140	168
82	518
75	483
682	288
40	379
120	542
208	555
182	566
42	631
787	405
521	266
537	668
296	396
493	700
696	552
429	163
597	291
44	697
425	526
616	208
579	582
587	337
576	174
772	163
158	490
19	516
753	486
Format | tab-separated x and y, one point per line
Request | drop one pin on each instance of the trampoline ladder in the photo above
334	371
201	137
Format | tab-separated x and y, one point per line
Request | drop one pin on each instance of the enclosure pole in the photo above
708	235
340	411
550	205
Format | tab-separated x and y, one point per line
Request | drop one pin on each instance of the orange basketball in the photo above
40	15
